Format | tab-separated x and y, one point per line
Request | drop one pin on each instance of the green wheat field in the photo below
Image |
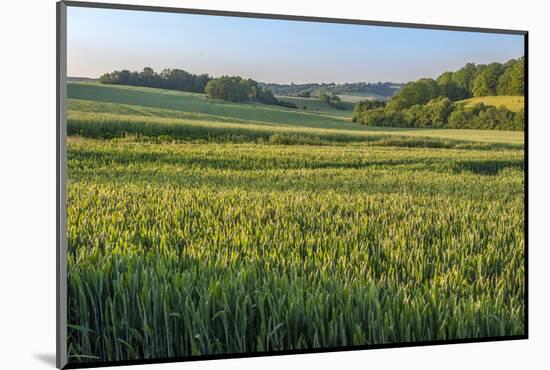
200	227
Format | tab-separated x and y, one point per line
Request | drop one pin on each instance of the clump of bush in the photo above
332	100
440	112
287	104
436	103
237	89
481	116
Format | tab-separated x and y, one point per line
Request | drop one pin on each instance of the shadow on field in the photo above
488	167
95	157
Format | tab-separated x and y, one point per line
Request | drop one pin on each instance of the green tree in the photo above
175	79
486	80
511	82
324	96
433	114
419	92
450	88
464	76
236	89
445	78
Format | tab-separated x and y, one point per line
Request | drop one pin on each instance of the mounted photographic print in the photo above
236	184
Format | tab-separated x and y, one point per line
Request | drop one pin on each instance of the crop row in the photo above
181	250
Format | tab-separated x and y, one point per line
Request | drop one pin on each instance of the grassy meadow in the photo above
513	103
316	105
198	226
357	97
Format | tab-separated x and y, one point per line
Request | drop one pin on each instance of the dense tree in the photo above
482	116
332	100
450	88
237	89
380	117
486	80
511	82
470	80
149	77
418	92
324	96
288	104
175	79
124	76
519	120
433	114
365	106
445	78
230	88
370	104
440	112
464	76
429	103
382	89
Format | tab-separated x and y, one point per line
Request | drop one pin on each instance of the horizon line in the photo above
301	83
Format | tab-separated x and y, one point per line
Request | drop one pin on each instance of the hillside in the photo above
316	105
82	79
513	103
97	110
198	103
357	97
383	90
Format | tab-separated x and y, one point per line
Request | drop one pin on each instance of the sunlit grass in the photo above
203	227
188	249
513	103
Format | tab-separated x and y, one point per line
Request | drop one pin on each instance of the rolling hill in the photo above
97	110
199	104
513	103
316	105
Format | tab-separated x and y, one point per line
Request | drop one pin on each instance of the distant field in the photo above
109	111
513	103
315	104
354	98
198	103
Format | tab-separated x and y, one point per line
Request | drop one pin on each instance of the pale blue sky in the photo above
102	40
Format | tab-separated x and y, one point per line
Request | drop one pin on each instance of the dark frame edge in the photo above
292	352
61	124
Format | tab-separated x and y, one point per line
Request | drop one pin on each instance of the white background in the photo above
27	183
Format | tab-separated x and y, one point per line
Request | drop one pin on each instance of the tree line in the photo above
332	100
173	79
237	89
433	103
385	89
440	112
231	88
